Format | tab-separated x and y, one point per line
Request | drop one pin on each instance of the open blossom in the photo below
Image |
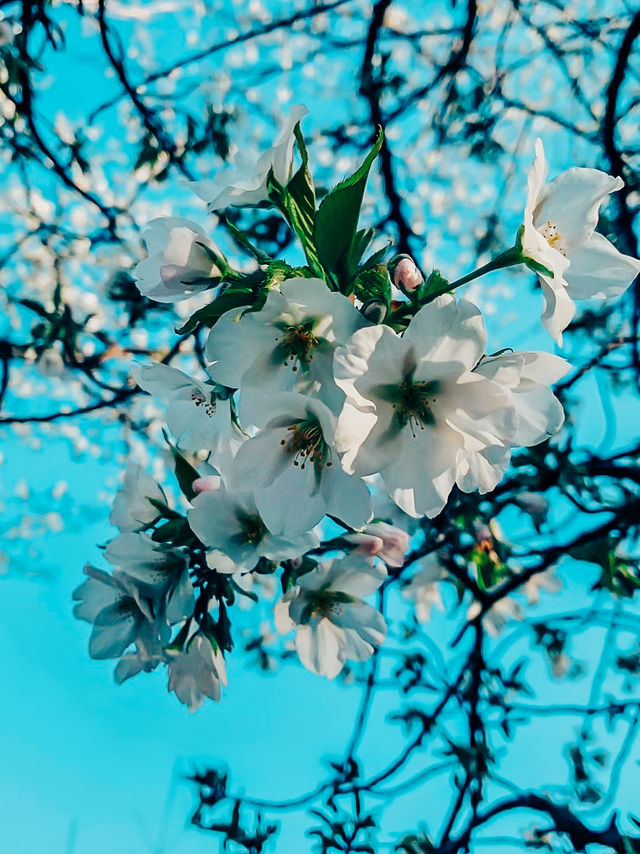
424	588
333	624
180	262
245	184
196	672
149	563
559	235
382	540
498	615
131	621
295	471
197	414
417	413
231	525
287	345
131	508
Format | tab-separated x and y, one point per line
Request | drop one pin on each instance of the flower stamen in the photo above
306	443
553	237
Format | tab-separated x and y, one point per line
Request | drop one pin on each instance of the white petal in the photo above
599	270
448	331
571	203
558	310
320	648
346	496
356	576
363	618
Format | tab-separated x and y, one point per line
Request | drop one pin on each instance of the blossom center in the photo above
252	527
553	237
208	404
297	345
327	603
306	443
412	403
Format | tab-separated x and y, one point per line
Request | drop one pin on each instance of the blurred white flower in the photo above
424	588
497	617
547	581
332	622
245	183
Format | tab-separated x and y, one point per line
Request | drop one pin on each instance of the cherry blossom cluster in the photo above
343	399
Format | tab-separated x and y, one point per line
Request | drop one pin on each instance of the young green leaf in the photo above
337	217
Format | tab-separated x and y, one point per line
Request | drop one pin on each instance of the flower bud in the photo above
381	540
375	310
406	274
209	483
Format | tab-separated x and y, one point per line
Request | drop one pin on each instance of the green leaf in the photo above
373	284
359	245
244	243
235	296
297	203
173	529
337	217
185	472
163	509
435	286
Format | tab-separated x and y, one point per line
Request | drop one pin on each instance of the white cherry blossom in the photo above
131	508
245	183
559	235
498	615
196	672
197	414
332	622
295	471
230	524
287	345
424	588
180	262
121	617
417	412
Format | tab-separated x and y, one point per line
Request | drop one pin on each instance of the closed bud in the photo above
375	310
209	483
406	274
379	539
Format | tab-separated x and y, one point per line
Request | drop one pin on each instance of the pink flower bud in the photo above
382	540
366	544
210	483
407	276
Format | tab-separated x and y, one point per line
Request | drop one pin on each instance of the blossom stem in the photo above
509	258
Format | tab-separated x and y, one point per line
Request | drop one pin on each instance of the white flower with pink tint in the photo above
180	261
